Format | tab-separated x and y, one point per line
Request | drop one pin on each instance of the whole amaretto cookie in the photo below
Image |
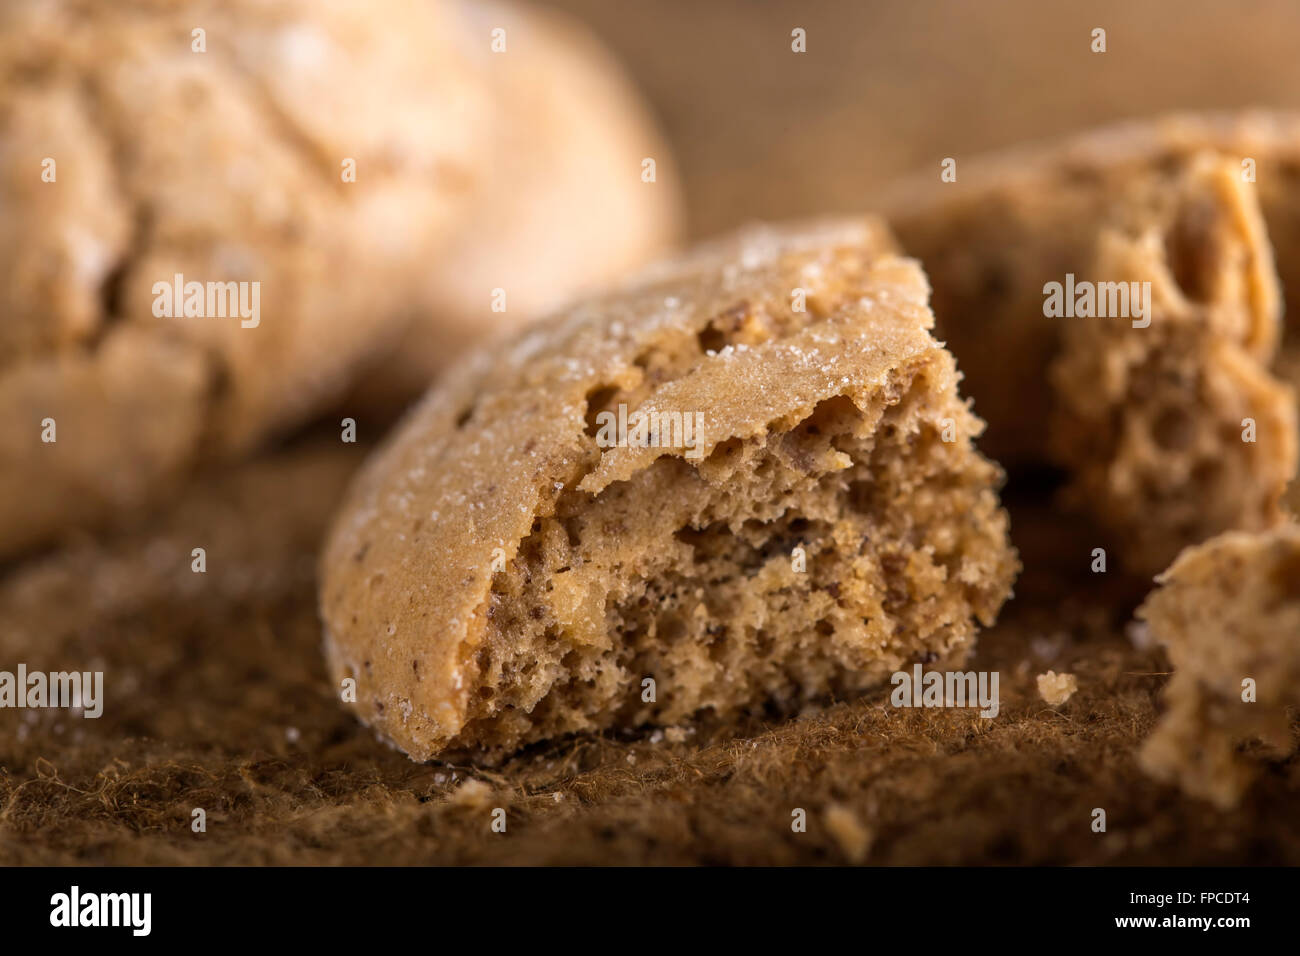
744	478
210	212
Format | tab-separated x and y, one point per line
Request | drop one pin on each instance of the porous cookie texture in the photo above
1228	614
1171	426
144	140
1015	220
509	569
562	201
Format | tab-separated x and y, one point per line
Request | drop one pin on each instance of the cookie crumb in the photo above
853	838
1056	688
471	793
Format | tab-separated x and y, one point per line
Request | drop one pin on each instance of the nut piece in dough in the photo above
516	564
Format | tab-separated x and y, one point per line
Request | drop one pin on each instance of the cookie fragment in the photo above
1017	219
502	574
1170	425
1056	689
1228	614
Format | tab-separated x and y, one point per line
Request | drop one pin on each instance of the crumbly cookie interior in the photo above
1176	431
689	575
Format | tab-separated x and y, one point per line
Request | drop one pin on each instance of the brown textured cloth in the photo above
216	698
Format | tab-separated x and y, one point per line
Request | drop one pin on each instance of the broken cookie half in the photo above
744	479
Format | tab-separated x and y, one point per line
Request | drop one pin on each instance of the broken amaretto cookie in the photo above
1166	416
744	478
1228	614
1013	221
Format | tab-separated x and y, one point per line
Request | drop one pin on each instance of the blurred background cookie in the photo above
1016	220
150	149
214	214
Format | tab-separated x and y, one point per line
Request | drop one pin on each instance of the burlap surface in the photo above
215	689
216	699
